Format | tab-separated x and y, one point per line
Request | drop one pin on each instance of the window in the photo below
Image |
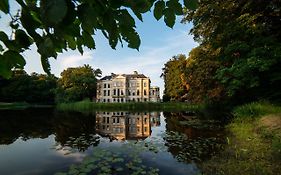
114	100
129	92
122	93
118	92
108	85
144	92
144	84
145	129
104	100
133	93
108	100
104	85
104	92
138	92
145	99
107	119
145	121
138	99
114	92
121	99
108	92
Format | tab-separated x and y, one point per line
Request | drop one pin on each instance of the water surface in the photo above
45	141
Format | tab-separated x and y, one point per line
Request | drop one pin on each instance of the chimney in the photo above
135	72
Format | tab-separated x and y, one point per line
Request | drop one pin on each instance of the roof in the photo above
109	77
106	77
134	76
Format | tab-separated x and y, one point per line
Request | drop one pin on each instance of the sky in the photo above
159	43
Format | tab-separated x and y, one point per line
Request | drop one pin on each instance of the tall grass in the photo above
16	105
87	105
252	148
255	109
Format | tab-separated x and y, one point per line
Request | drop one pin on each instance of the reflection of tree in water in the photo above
28	124
75	130
71	129
188	141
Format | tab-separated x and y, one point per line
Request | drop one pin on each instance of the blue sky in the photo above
158	44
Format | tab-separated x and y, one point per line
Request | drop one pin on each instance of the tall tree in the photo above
58	25
247	36
77	84
173	74
199	75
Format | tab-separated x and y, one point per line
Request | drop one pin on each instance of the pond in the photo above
46	141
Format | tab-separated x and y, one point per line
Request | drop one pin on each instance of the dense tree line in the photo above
75	84
239	55
34	88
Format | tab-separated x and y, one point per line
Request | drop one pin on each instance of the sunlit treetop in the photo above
55	26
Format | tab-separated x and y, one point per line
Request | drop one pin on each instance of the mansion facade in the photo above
126	125
120	88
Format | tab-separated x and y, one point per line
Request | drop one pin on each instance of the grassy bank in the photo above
87	106
20	105
254	142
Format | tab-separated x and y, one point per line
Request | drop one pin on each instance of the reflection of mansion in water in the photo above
125	125
120	88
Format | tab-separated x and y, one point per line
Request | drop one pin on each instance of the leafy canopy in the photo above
77	84
246	37
55	26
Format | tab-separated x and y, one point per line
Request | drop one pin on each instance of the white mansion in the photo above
120	88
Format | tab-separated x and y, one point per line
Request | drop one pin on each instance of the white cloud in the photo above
75	59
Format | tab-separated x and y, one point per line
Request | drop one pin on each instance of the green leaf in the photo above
3	37
158	9
30	24
170	17
141	6
131	37
138	15
10	59
4	6
176	6
46	48
125	18
53	11
88	40
71	42
87	16
191	4
45	64
79	44
22	39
